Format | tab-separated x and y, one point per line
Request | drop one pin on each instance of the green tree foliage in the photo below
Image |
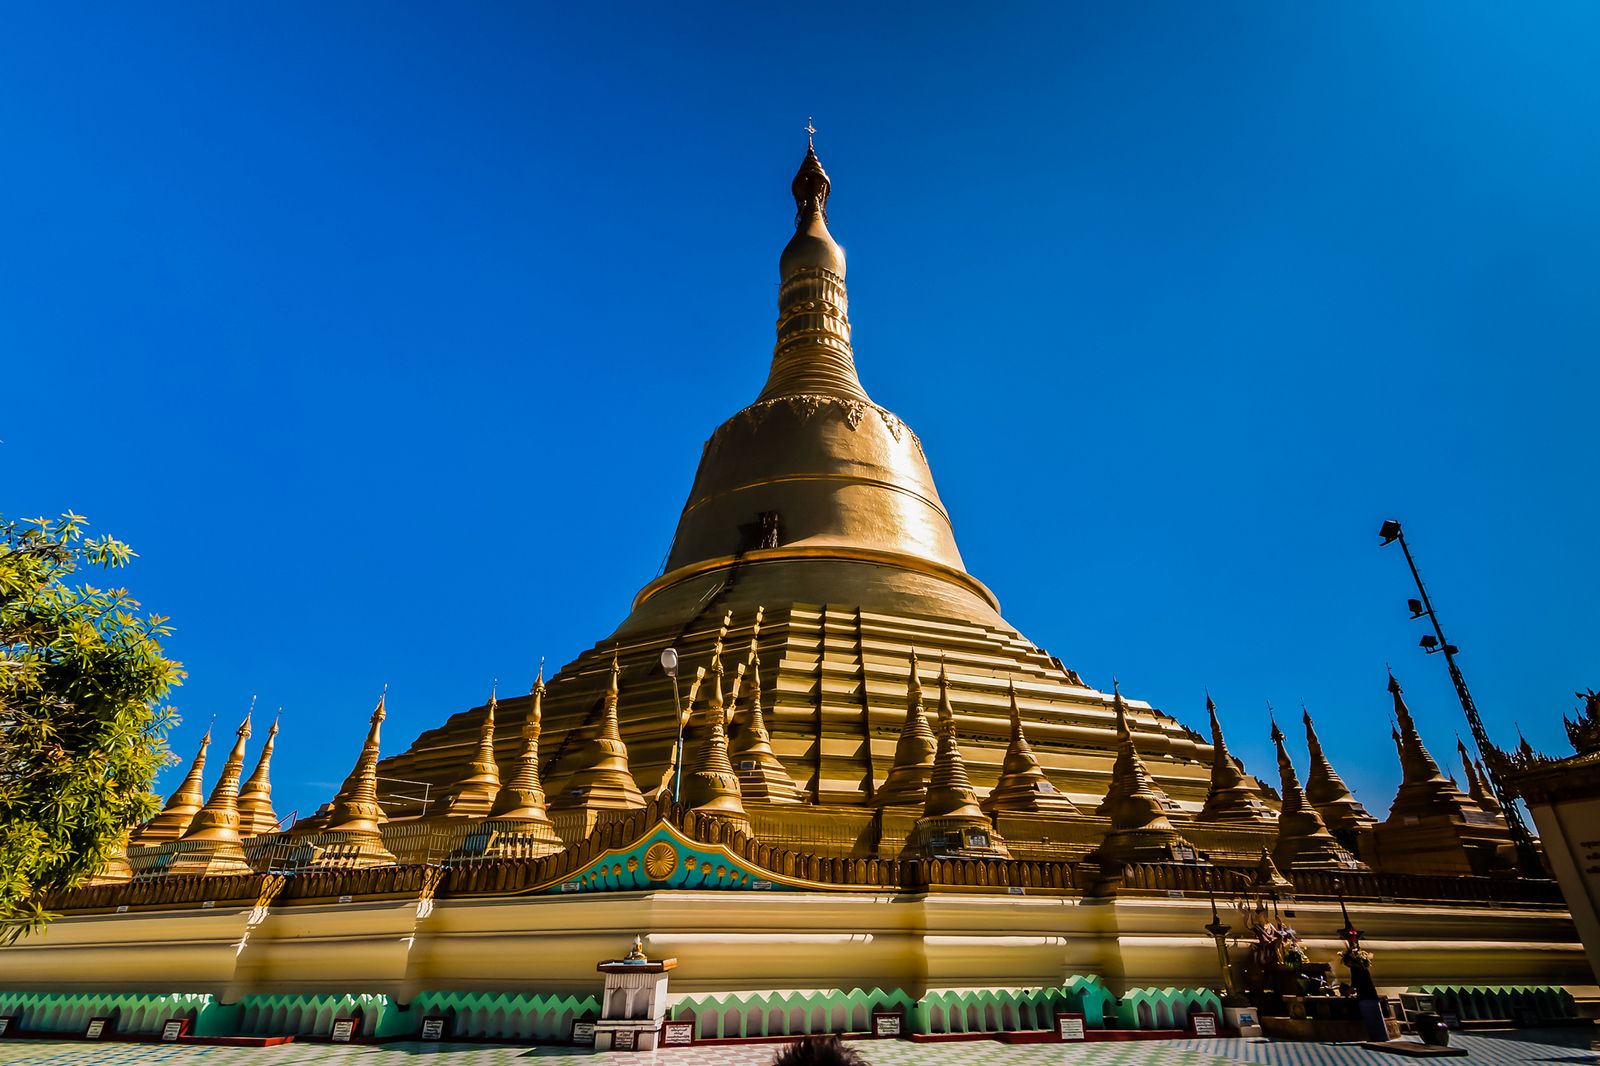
82	729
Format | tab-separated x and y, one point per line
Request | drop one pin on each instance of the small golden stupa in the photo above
1140	830
907	784
952	822
1235	795
1023	785
1433	827
709	784
256	815
348	835
1304	842
184	803
602	780
1344	816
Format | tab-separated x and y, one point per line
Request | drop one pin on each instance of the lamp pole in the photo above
1219	933
1527	858
669	663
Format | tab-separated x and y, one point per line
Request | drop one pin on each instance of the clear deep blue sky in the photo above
389	334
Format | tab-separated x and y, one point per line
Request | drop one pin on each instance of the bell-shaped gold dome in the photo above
814	473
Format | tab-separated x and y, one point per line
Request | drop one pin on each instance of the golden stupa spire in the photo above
218	820
1477	787
1023	785
709	784
181	807
1344	816
813	354
1488	801
907	783
1234	796
761	774
1267	875
602	780
256	815
1424	791
1140	831
952	821
355	808
523	796
517	826
1304	842
474	794
348	836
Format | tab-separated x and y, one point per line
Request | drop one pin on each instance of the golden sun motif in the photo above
660	860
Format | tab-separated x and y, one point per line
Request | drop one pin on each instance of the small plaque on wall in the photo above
433	1028
1204	1023
583	1032
623	1040
677	1034
97	1029
173	1029
1069	1028
343	1030
886	1024
5	1025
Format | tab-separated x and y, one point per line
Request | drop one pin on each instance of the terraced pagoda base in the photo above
740	914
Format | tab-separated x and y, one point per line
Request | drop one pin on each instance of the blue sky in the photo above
389	334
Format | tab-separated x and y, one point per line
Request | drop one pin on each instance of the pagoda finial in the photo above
602	780
710	786
1140	831
474	793
1415	761
1304	842
1233	796
181	807
907	783
218	820
256	815
1344	816
522	799
761	773
1023	785
355	808
952	822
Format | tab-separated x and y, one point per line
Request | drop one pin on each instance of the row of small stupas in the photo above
734	775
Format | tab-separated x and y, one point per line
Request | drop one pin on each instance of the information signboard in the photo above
1069	1028
886	1024
1204	1023
343	1030
677	1034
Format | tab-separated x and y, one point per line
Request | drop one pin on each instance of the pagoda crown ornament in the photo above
1233	796
907	783
256	815
181	807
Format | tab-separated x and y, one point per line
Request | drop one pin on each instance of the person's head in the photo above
819	1051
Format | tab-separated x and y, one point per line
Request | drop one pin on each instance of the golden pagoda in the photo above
518	826
1304	842
1140	830
1433	827
184	803
1267	877
1023	785
1235	796
952	822
912	769
818	504
348	835
1344	816
709	784
762	777
211	844
256	815
474	794
1477	787
602	780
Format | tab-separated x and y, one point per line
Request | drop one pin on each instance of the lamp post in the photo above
669	663
1219	932
1527	858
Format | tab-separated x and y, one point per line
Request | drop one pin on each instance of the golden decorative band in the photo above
914	563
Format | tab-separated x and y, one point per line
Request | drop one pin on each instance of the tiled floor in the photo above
1535	1048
